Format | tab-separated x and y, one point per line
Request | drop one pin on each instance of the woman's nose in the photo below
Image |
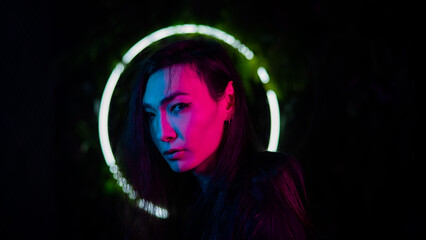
166	132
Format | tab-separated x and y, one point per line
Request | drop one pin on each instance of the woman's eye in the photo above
149	115
178	107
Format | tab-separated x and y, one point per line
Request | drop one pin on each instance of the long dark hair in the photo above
154	181
151	177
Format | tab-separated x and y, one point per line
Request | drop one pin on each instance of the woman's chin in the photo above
179	166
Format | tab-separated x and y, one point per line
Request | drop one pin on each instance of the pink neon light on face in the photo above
184	117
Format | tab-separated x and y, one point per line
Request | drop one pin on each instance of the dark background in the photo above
340	69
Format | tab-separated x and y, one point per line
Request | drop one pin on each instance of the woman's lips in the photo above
173	154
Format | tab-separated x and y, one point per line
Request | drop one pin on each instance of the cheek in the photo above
193	129
204	130
183	125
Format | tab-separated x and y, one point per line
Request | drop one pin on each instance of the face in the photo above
186	123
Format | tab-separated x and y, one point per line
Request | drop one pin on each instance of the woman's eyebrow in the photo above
165	100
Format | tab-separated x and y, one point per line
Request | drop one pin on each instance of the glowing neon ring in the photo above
119	68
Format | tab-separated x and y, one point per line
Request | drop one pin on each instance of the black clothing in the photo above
264	201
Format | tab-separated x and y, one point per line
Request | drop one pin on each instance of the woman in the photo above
188	149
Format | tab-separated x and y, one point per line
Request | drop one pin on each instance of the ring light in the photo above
118	70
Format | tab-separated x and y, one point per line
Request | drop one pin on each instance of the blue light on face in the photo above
119	68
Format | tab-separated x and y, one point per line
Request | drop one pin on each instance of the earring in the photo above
229	122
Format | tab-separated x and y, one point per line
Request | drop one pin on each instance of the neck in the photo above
204	171
203	180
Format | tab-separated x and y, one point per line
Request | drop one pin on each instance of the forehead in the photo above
177	78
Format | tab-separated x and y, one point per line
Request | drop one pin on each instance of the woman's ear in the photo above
229	99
